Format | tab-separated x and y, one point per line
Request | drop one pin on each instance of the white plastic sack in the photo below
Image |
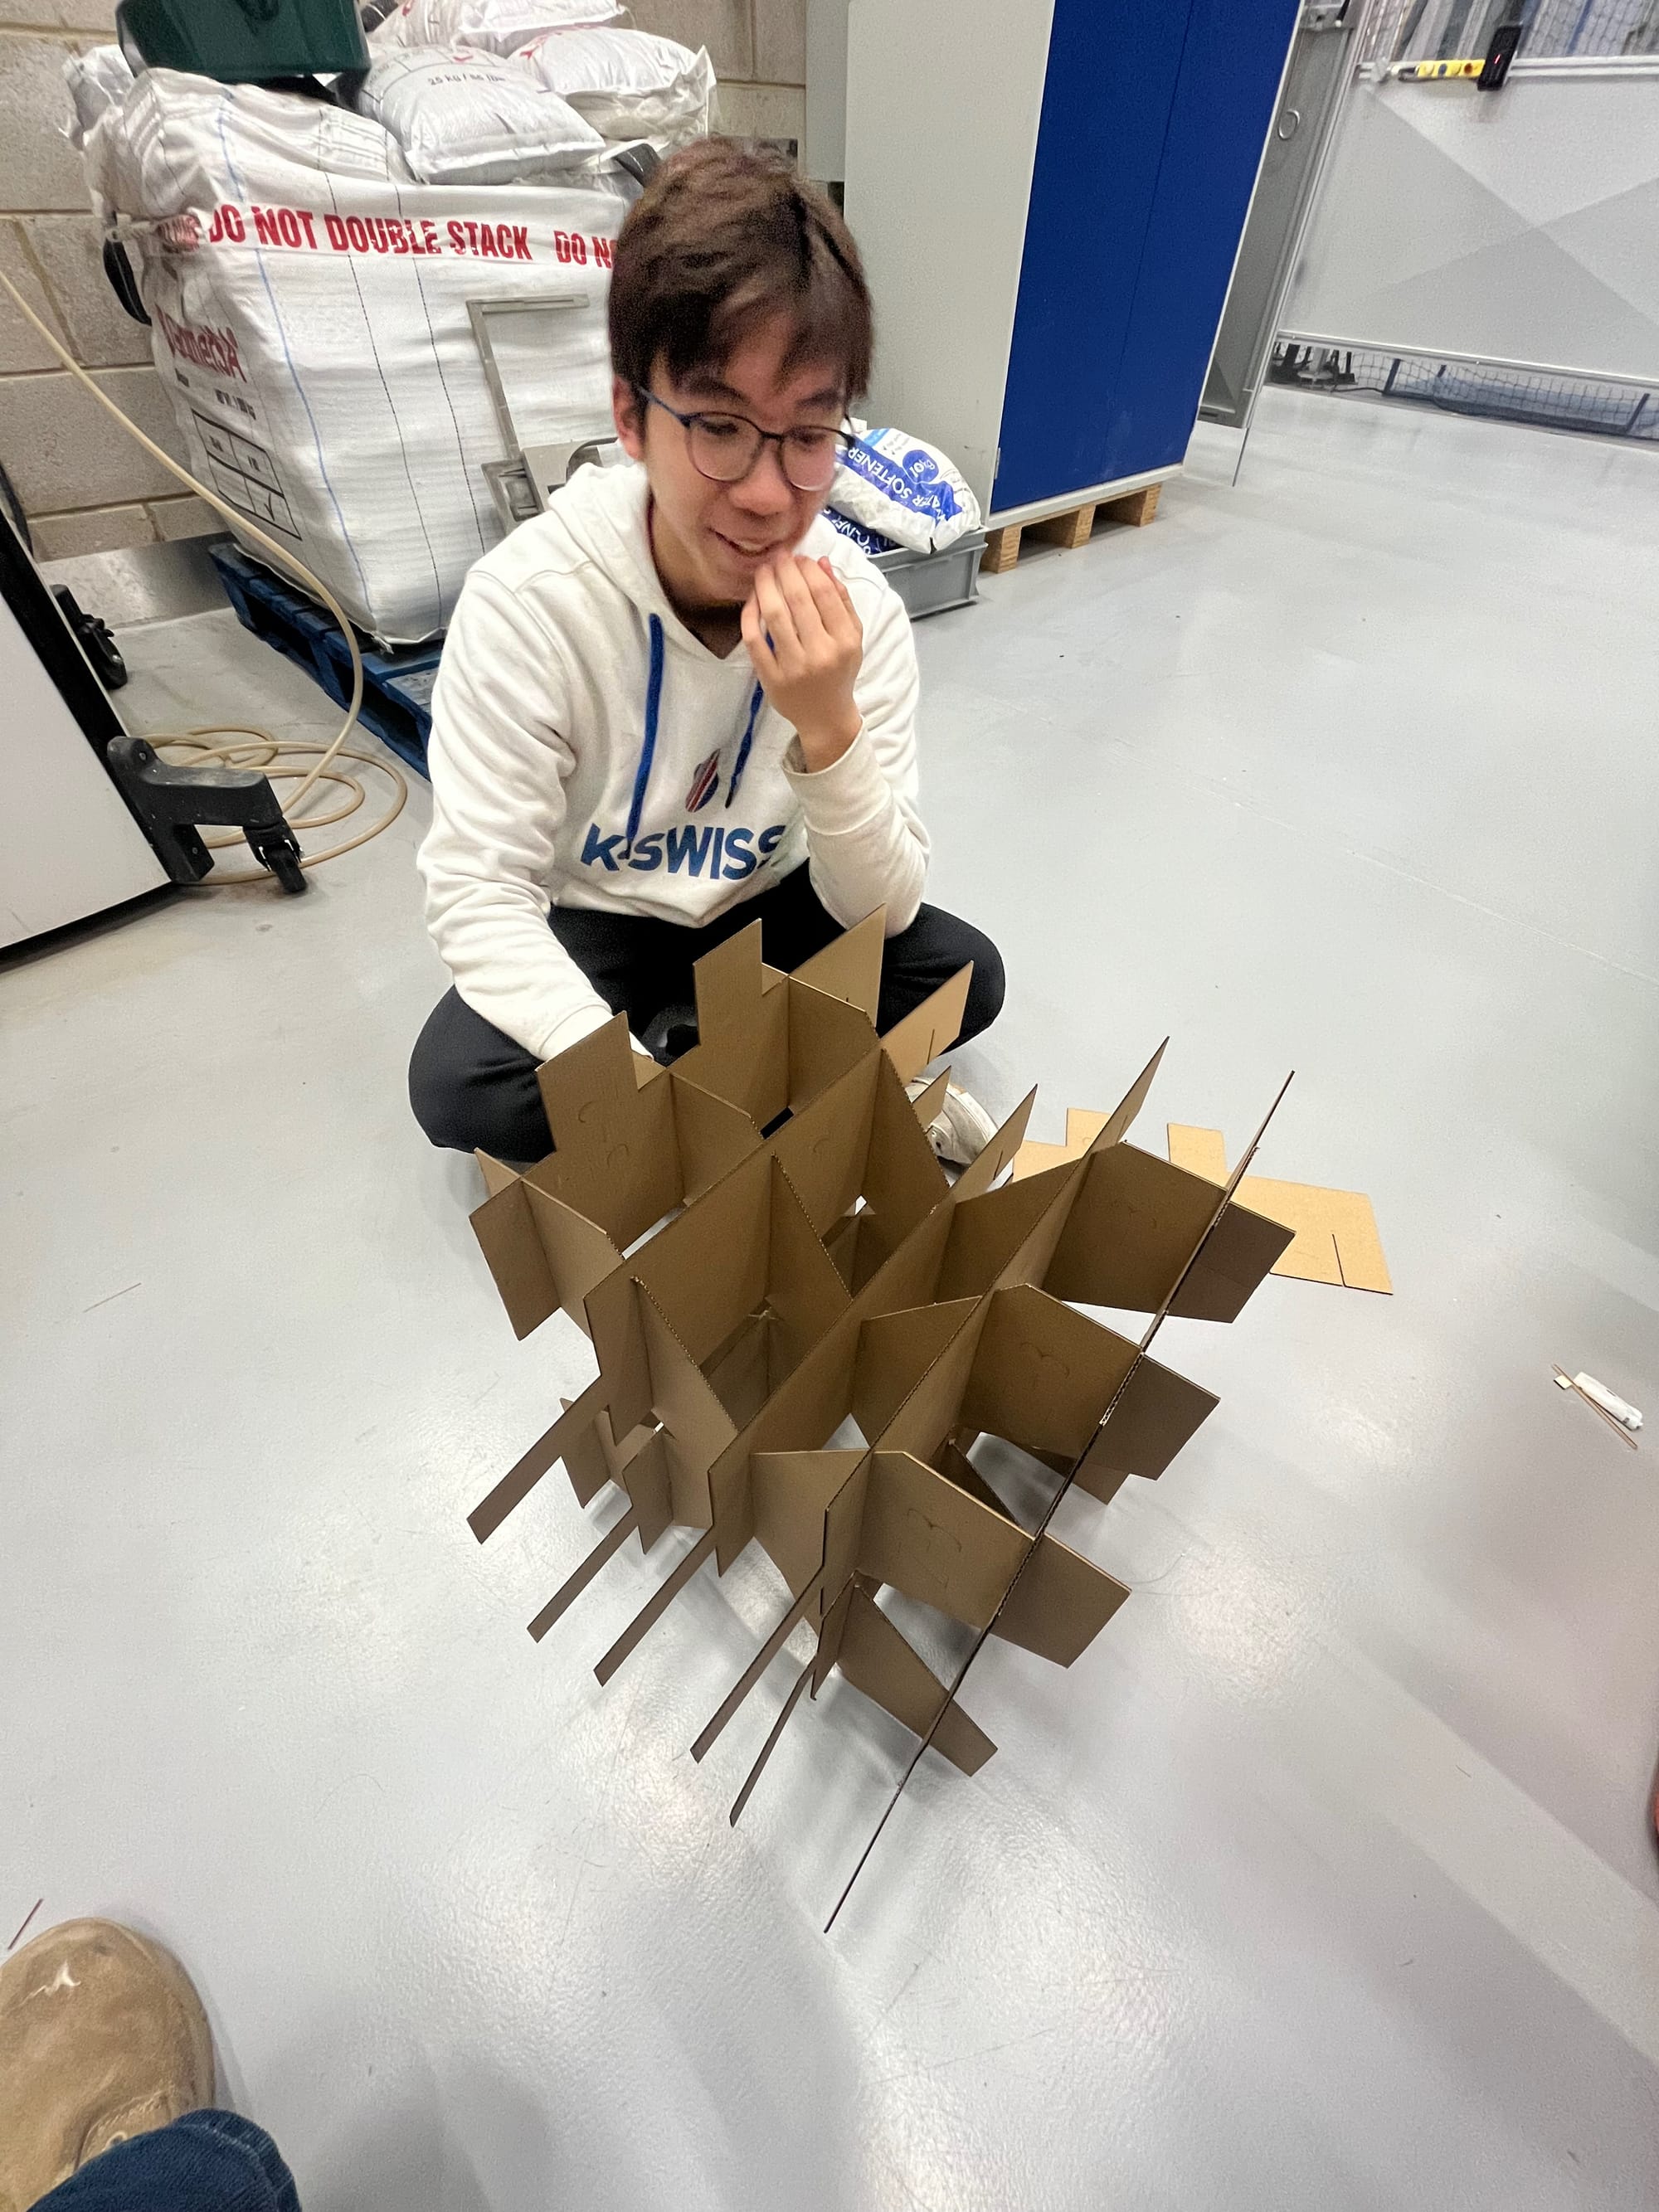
628	83
466	118
496	27
99	79
311	328
905	488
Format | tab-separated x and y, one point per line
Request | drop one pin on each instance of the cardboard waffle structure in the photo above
763	1250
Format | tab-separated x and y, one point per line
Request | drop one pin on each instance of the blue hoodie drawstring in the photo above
648	751
748	740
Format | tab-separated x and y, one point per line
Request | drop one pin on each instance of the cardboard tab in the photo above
1058	1604
929	1028
849	966
876	1659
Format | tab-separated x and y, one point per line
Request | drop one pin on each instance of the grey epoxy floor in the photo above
1323	1878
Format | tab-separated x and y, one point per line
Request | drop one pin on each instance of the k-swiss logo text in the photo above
710	850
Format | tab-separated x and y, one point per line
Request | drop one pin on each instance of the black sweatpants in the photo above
471	1085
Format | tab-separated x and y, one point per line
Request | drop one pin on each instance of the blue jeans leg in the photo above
205	2163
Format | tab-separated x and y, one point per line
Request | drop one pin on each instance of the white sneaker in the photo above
961	1129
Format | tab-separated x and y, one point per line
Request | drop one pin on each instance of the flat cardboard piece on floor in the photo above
1336	1238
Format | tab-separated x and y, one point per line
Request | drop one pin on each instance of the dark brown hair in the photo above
720	241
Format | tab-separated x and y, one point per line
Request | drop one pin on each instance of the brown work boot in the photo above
101	2037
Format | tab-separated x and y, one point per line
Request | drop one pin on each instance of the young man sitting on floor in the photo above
680	701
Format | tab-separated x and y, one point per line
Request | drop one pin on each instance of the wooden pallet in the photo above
397	684
1071	529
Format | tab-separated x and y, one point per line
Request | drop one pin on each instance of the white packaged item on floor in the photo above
100	78
907	490
496	27
467	118
310	317
628	83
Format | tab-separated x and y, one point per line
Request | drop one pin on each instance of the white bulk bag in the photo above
628	83
100	78
496	27
466	118
311	327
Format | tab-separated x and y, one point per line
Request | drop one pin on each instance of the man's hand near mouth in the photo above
807	646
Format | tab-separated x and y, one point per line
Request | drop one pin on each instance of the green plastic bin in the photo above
246	41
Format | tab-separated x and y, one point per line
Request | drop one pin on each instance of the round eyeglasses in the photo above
725	447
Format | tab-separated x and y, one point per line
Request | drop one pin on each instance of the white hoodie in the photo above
587	751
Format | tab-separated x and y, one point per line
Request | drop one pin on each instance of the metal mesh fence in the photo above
1446	30
1506	395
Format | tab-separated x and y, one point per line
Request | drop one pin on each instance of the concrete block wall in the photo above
84	485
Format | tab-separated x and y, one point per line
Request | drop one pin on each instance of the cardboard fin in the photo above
902	1182
521	1478
909	1275
579	1253
827	1037
981	1172
711	1133
792	1492
649	1615
706	1269
934	1542
807	1407
696	1427
933	1408
496	1173
1123	1116
770	1744
1044	1373
1058	1603
989	1233
831	1629
1157	1413
730	983
1133	1226
823	1148
843	1528
589	1456
896	1349
876	1659
954	1466
928	1102
803	1293
849	966
507	1235
740	1373
929	1028
752	1673
1234	1260
572	1587
646	1479
611	1115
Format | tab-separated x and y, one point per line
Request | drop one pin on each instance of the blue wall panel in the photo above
1154	119
1112	70
1223	106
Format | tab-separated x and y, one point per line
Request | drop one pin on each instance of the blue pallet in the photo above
397	686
